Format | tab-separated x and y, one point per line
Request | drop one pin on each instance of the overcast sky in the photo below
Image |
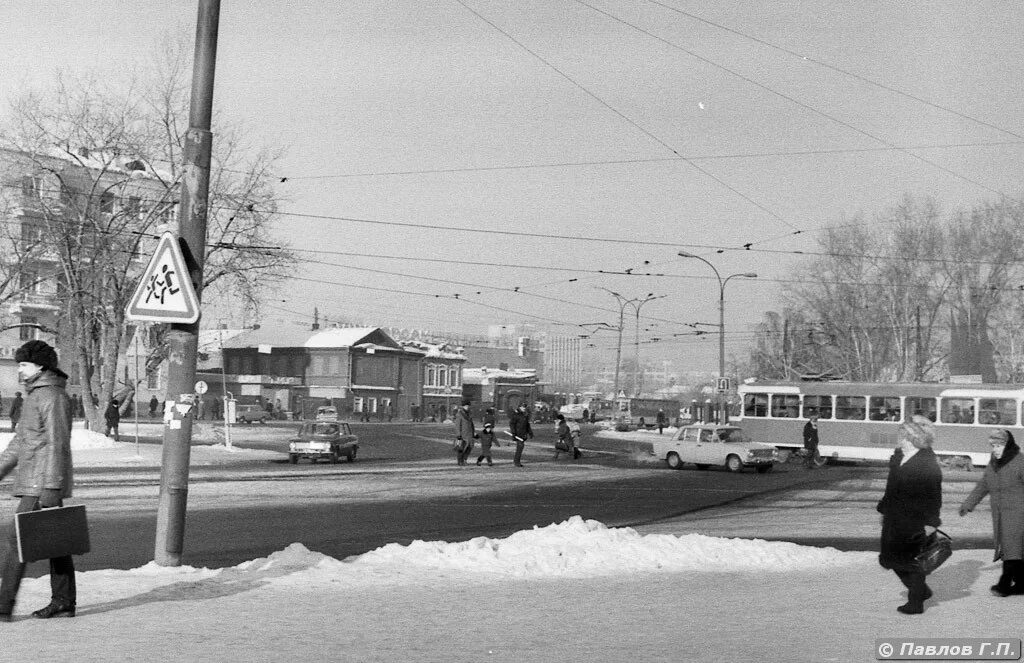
688	125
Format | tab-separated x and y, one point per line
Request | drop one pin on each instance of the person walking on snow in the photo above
519	427
487	438
40	455
15	413
1003	482
465	432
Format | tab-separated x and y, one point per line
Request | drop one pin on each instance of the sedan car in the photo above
705	445
330	440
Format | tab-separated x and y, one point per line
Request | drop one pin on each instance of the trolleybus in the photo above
858	420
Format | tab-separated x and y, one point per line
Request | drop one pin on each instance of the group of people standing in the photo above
912	501
518	428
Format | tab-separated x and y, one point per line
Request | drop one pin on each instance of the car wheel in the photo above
673	461
293	459
733	463
702	466
820	461
335	457
352	456
263	421
761	469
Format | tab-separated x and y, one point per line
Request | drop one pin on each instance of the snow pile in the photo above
583	548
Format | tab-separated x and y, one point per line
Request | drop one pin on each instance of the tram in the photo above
858	420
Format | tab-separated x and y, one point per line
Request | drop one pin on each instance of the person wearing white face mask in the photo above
912	501
1003	482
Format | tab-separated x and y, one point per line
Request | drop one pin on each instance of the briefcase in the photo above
48	533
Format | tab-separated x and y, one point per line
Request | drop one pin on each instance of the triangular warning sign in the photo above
165	293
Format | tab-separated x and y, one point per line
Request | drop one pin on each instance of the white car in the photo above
705	445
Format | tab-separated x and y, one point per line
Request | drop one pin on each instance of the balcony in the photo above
34	301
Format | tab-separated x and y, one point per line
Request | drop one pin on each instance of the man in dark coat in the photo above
519	426
15	412
465	431
661	421
811	456
912	501
153	405
112	417
40	455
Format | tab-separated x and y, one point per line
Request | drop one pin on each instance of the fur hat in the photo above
37	352
467	401
919	431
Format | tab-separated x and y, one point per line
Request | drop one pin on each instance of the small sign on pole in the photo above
723	385
165	292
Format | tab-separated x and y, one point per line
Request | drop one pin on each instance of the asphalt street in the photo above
406	486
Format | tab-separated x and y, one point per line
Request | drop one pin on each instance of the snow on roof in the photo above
341	337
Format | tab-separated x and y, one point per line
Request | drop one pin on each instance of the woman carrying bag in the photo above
912	501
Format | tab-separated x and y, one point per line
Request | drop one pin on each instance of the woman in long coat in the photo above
912	500
1003	482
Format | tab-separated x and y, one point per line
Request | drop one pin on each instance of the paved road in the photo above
406	486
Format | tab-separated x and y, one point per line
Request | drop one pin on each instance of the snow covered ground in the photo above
572	591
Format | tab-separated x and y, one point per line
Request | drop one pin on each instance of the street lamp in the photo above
637	303
721	307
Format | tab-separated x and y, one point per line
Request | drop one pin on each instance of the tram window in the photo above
922	406
957	411
851	407
785	406
997	411
819	405
884	408
755	405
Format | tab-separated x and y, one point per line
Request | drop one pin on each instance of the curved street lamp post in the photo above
723	416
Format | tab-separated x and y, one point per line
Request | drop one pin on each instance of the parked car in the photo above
331	440
248	413
705	445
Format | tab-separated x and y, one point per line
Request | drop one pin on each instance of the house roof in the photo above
280	336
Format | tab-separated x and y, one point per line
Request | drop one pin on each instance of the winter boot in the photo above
1004	587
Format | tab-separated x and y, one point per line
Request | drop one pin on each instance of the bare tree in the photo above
111	157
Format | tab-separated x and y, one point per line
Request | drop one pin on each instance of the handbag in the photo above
937	548
460	446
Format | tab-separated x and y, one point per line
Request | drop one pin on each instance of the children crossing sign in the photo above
165	293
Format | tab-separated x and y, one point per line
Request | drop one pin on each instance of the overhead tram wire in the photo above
618	162
629	120
840	70
801	104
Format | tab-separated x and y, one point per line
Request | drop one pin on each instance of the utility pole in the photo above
183	339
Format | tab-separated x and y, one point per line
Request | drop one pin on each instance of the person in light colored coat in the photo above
1003	482
40	456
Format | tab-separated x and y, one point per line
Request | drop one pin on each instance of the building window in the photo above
357	404
153	379
453	376
26	333
429	381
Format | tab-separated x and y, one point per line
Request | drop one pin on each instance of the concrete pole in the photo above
183	340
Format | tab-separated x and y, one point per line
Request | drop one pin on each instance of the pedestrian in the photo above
112	417
812	458
40	455
153	405
1003	482
487	437
15	412
661	421
576	433
465	432
519	427
912	501
563	435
